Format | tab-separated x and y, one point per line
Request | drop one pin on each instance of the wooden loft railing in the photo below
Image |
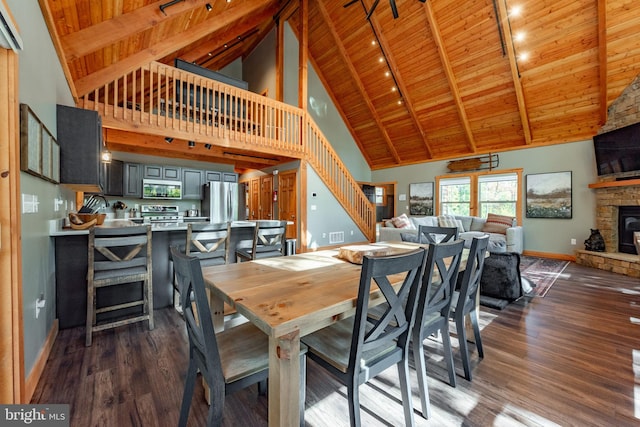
163	100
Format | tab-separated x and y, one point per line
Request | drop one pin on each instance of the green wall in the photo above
42	86
551	236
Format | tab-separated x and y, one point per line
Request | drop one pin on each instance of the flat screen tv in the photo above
618	150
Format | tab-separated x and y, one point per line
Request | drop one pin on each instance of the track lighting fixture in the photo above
192	144
209	7
207	146
168	139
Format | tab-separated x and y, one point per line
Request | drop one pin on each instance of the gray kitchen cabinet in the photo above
172	173
132	180
229	177
192	180
112	178
212	176
80	140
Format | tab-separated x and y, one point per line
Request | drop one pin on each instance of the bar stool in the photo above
118	256
269	240
210	244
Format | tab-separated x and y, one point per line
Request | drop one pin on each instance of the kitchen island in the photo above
71	257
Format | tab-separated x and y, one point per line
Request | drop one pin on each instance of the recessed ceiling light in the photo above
207	146
192	144
209	7
168	139
523	56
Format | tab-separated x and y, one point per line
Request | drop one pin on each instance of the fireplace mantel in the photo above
609	184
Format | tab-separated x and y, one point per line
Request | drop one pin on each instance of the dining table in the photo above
287	298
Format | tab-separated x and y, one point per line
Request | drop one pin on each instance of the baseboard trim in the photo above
563	257
41	361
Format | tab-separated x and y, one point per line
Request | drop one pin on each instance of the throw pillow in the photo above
403	221
497	223
450	221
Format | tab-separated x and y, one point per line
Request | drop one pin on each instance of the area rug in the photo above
541	272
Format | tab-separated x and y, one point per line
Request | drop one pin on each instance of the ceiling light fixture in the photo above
192	144
105	156
209	7
166	5
207	146
168	139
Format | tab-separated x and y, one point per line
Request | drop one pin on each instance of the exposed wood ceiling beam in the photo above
602	53
451	78
303	54
95	37
239	9
515	74
53	32
408	103
200	53
131	142
361	89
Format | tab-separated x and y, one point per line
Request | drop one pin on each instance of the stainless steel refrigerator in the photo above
224	201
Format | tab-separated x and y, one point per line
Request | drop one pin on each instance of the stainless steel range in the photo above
161	214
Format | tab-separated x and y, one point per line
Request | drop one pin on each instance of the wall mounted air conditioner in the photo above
9	36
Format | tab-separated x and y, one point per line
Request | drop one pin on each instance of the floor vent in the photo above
336	237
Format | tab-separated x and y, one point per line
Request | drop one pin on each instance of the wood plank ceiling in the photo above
445	79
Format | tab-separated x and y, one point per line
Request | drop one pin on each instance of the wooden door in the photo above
254	199
266	194
287	202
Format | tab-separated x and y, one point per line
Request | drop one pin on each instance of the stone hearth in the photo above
612	192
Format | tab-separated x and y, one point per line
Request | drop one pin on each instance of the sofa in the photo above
469	227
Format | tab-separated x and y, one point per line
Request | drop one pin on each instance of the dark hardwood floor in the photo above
566	359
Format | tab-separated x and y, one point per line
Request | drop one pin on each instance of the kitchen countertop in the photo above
56	226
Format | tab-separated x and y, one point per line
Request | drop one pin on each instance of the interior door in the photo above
254	199
287	202
266	191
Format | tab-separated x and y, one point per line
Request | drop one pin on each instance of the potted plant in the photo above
119	208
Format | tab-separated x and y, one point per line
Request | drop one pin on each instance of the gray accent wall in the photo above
551	236
327	216
42	86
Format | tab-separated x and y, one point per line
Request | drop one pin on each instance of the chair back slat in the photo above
208	241
197	315
392	328
473	272
438	285
119	248
434	234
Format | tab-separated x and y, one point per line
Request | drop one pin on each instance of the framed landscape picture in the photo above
549	195
421	198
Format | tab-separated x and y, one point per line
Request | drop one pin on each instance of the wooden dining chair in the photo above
118	256
432	313
465	302
435	234
360	347
230	360
269	240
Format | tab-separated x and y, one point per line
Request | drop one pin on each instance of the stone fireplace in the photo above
614	192
628	223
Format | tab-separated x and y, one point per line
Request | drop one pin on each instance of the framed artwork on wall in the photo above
549	195
421	198
39	150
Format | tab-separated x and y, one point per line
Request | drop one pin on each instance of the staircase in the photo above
162	100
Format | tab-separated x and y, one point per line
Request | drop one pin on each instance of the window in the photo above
497	194
480	193
455	196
